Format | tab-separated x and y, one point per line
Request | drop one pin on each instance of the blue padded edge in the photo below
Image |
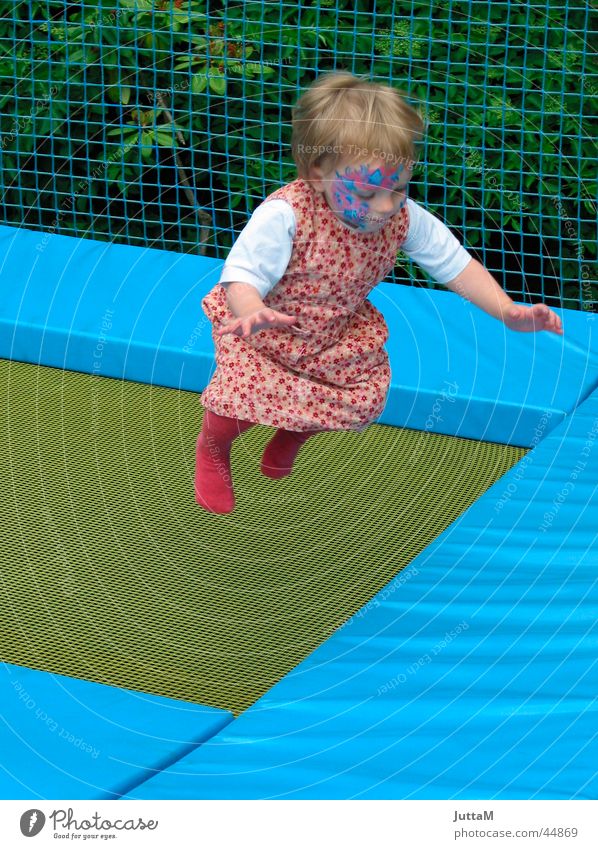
458	371
135	313
471	675
64	738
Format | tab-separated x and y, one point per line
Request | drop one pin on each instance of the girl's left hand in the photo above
530	319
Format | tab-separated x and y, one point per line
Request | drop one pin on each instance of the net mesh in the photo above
112	573
165	122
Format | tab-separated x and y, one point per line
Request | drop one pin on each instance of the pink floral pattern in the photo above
338	377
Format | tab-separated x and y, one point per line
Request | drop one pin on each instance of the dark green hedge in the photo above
166	123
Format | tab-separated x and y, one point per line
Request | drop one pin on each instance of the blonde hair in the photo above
342	116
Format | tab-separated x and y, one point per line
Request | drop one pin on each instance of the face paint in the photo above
368	179
347	190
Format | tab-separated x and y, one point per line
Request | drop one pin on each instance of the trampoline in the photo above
117	576
398	572
412	614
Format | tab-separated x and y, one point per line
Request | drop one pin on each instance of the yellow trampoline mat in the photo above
112	573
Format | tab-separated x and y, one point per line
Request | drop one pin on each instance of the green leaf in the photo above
147	144
110	35
137	5
198	83
513	221
185	16
218	85
42	126
75	56
165	139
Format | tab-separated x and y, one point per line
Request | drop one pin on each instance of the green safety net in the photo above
112	573
166	122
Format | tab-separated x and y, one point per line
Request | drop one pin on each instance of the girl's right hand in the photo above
253	323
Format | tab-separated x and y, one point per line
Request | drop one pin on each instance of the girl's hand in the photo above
253	323
530	319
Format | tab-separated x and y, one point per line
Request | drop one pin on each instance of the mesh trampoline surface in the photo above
112	573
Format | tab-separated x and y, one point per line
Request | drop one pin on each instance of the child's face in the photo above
364	195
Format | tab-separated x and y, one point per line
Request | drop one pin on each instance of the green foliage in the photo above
166	122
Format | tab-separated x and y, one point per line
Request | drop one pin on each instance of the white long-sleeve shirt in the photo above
262	251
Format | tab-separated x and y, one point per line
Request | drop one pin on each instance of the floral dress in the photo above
336	377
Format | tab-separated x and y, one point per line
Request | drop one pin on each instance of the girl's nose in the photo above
386	205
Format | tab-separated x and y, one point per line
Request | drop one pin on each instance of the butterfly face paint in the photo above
356	194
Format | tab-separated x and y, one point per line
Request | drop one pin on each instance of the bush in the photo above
166	123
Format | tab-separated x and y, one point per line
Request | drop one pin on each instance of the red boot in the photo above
213	479
280	452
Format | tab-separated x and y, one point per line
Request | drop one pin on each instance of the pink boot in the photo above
280	452
213	479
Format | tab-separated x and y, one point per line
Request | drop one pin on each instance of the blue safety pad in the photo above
456	370
135	313
471	675
111	310
63	738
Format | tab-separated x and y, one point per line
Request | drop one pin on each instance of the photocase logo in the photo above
32	822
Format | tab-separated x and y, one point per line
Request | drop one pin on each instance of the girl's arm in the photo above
259	257
243	299
476	284
251	313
